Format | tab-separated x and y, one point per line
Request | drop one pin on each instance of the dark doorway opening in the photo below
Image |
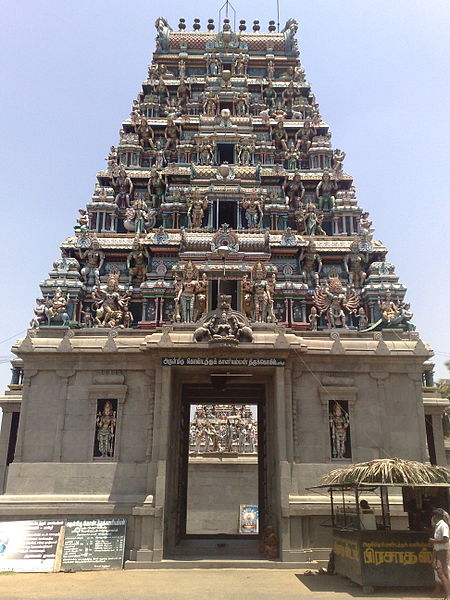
222	468
227	213
224	286
121	226
228	105
225	153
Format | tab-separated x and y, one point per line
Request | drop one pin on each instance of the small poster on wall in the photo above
248	520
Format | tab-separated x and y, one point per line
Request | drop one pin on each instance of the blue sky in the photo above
70	71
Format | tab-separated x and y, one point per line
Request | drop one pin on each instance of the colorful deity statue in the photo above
269	96
201	297
244	152
248	302
241	105
333	300
240	65
83	221
123	186
313	319
339	424
182	68
206	152
263	294
94	259
161	91
211	104
106	427
280	137
309	221
196	210
289	95
183	93
156	187
112	158
311	264
145	133
365	227
292	156
111	305
58	303
303	138
214	66
388	308
325	191
363	321
186	289
39	314
172	133
294	190
353	264
253	207
338	161
137	262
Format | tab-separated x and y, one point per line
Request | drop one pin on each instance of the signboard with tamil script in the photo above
189	361
384	558
29	546
93	544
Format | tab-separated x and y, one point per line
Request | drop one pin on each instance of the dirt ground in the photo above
192	584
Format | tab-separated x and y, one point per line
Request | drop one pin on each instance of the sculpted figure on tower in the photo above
156	187
311	264
111	305
186	289
294	190
196	210
325	191
93	259
263	294
123	186
353	264
145	133
137	262
253	207
248	303
335	301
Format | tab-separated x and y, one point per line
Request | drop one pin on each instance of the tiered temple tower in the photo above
224	235
224	181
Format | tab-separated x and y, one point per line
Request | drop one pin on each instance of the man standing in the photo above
440	541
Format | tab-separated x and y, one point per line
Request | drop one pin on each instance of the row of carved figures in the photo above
293	190
214	67
289	102
110	307
289	147
355	263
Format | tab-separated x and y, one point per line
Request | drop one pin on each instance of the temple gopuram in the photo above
222	328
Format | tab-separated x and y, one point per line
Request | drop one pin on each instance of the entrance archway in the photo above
219	501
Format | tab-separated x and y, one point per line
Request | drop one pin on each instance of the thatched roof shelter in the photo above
387	471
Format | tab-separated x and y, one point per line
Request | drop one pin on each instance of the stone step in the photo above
229	563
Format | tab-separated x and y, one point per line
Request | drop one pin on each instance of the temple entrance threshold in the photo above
220	508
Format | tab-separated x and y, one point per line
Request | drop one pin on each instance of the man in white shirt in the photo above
440	541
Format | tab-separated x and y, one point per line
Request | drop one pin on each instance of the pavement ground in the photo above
191	584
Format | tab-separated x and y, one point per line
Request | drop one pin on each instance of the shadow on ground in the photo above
335	583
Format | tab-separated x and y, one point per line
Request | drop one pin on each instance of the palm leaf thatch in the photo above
394	471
